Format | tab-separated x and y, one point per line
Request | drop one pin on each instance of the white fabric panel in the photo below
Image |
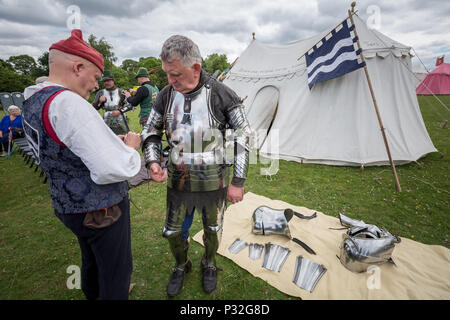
336	122
265	102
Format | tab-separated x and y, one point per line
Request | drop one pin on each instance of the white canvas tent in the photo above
334	123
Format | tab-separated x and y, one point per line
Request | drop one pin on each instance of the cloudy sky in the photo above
138	28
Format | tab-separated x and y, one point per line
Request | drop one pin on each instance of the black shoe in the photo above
209	279
176	280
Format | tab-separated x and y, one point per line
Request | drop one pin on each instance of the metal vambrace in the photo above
238	121
151	135
127	107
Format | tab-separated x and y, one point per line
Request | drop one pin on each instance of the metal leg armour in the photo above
172	231
179	249
212	228
212	206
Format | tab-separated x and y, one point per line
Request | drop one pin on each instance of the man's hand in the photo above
157	173
235	194
133	140
115	113
126	93
102	99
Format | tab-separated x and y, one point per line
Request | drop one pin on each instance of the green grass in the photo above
36	249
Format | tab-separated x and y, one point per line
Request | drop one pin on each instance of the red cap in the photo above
77	46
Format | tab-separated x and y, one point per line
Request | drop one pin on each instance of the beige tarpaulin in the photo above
421	271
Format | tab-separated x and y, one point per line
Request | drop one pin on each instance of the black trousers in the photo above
106	255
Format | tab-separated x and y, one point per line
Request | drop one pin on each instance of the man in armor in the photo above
111	99
145	95
195	112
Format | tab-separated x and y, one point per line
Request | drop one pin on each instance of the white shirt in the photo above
80	127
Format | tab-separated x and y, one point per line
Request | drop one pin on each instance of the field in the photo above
36	249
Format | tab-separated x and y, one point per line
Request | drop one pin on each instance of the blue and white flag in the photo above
334	58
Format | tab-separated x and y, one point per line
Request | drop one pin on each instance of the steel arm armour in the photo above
127	107
151	135
238	121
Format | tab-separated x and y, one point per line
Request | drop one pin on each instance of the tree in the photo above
42	65
215	62
11	81
102	46
158	76
130	65
122	78
4	64
22	64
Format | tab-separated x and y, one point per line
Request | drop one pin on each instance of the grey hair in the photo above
182	48
12	107
41	79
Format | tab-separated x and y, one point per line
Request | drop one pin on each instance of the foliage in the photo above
102	46
130	65
22	64
159	77
215	62
19	72
42	65
11	81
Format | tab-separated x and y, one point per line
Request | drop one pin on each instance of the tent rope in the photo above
411	70
428	71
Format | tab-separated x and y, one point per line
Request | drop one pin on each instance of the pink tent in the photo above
437	81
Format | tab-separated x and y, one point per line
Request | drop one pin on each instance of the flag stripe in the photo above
341	51
340	70
334	58
342	43
327	68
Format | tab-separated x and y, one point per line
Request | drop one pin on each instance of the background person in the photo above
111	98
14	120
145	95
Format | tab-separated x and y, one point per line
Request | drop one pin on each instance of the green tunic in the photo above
148	103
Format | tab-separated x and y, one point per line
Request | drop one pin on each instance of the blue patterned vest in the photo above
71	187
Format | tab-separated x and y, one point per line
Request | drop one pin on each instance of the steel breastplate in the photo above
268	221
196	159
112	99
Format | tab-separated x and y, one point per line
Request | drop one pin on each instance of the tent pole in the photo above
397	184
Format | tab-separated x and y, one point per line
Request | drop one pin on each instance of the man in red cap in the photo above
87	165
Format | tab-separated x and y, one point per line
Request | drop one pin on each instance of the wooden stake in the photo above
397	184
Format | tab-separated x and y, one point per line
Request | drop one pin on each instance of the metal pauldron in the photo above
239	122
